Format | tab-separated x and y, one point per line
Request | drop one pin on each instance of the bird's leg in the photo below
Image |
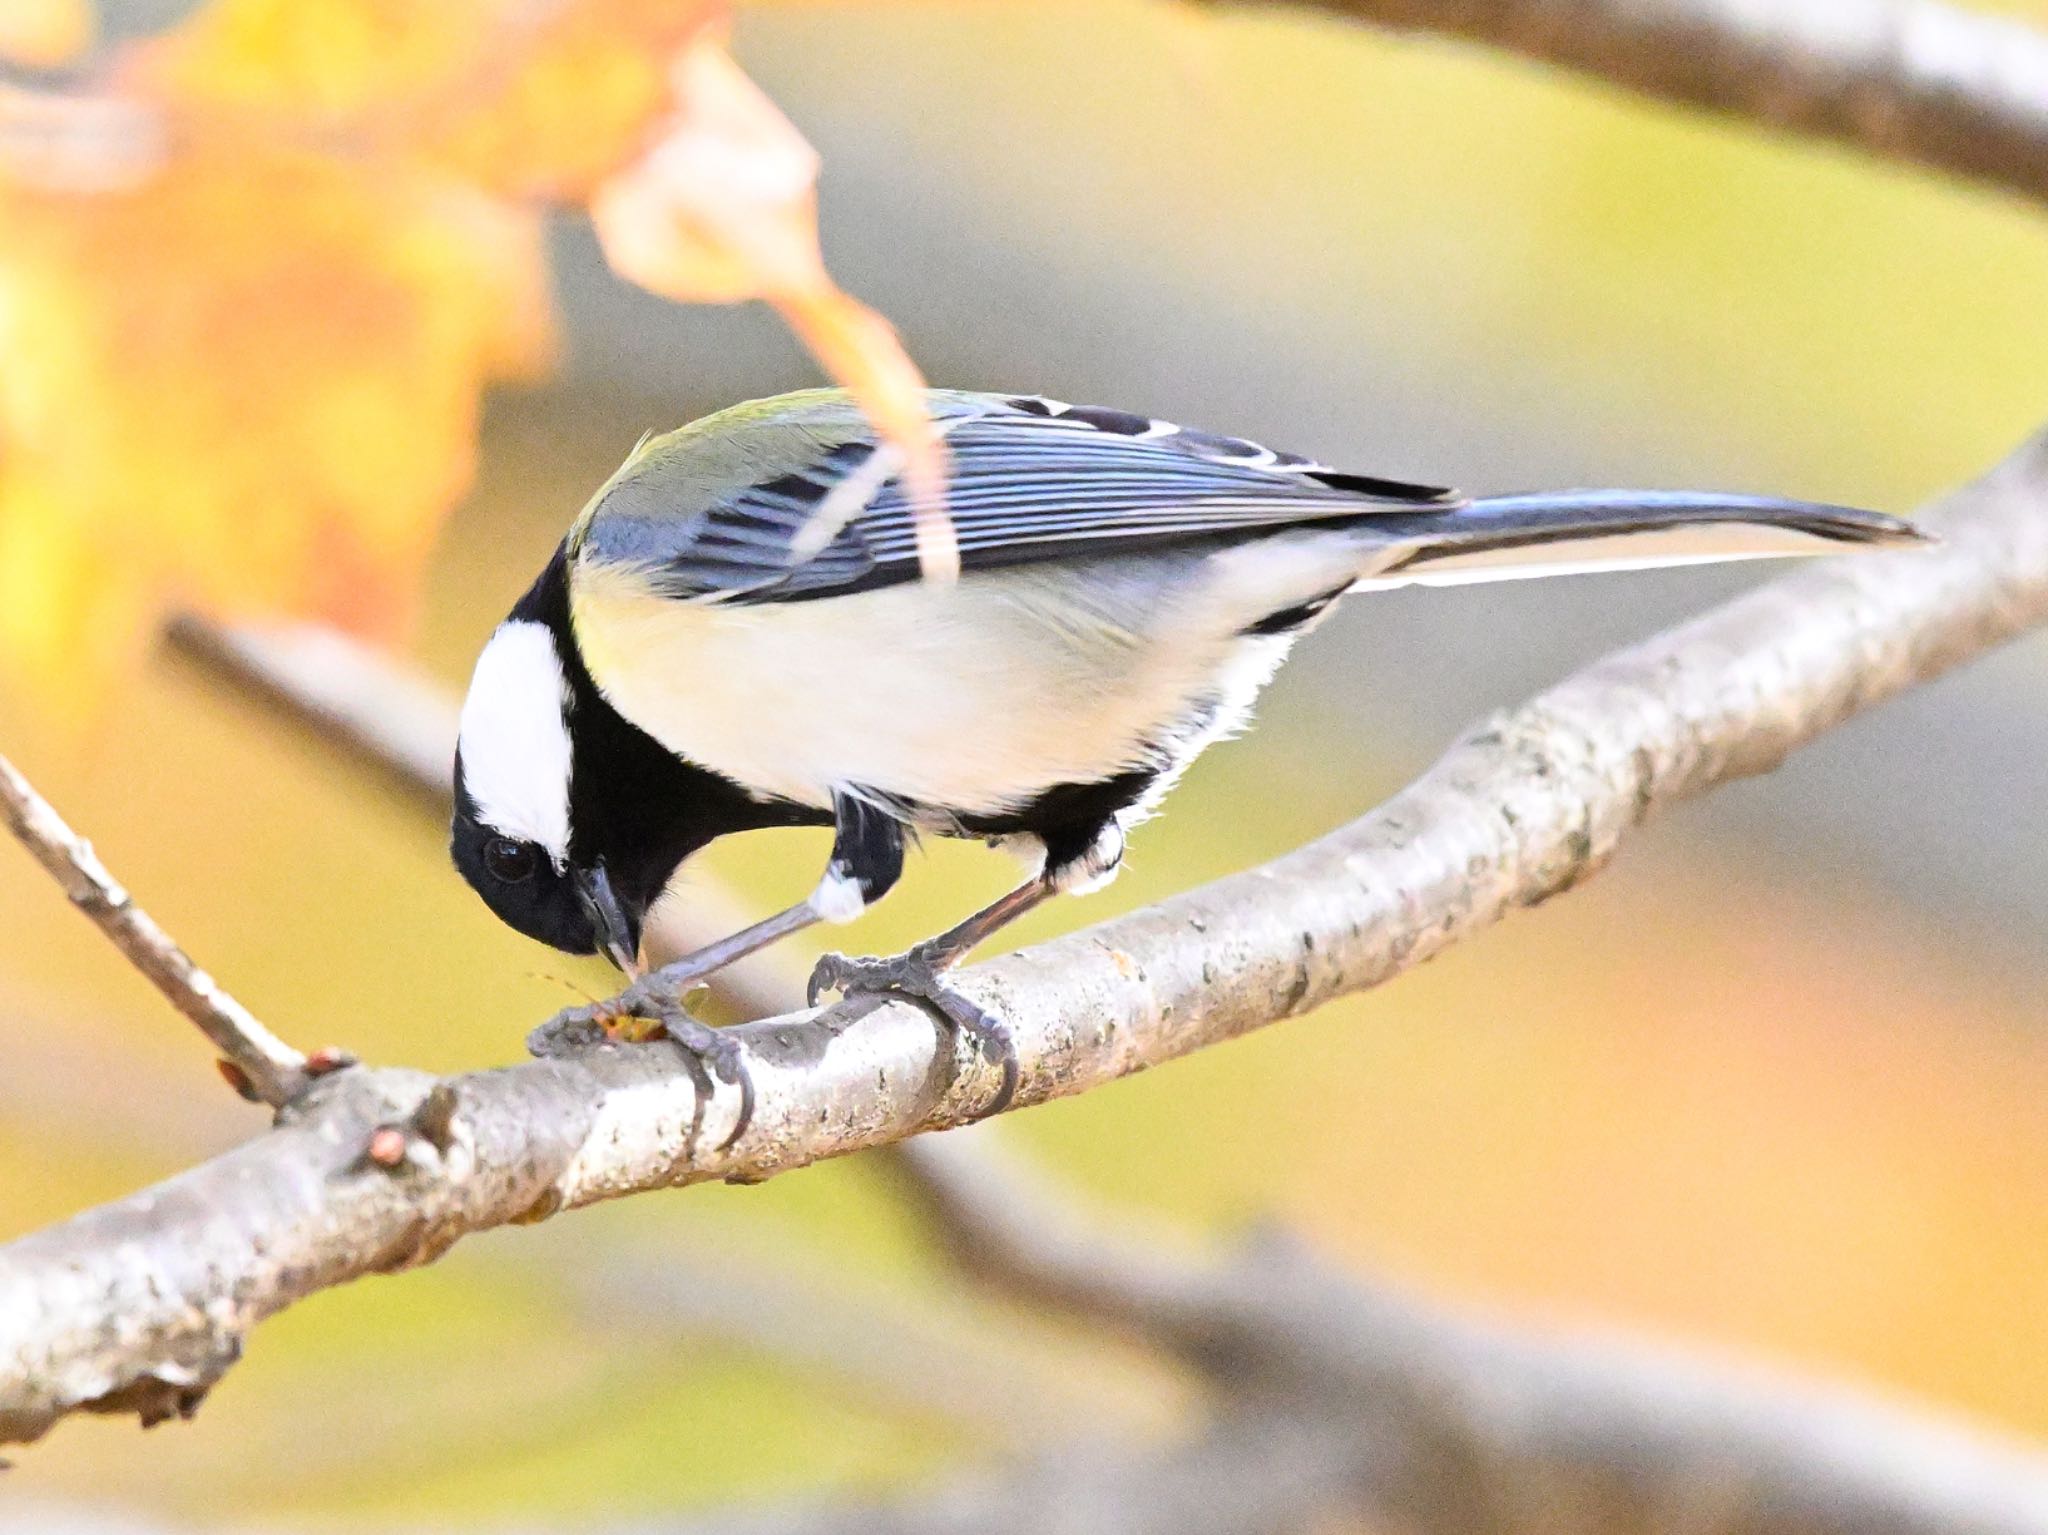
679	975
654	1002
657	998
867	858
920	972
652	1007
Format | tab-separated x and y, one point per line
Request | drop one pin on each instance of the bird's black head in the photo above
524	882
570	820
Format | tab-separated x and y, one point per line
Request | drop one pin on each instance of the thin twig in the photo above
273	1071
375	1170
1929	83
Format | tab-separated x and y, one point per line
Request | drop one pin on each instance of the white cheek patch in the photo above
515	738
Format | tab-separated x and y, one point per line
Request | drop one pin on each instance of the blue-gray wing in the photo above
1032	480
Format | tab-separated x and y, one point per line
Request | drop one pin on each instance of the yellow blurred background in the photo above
1775	1082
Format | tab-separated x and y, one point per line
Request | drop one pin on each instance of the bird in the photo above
738	632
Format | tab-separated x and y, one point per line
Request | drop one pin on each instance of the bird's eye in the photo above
508	860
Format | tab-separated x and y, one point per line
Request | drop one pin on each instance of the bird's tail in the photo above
1500	538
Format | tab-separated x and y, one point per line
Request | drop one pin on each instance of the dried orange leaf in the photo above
860	348
43	33
723	207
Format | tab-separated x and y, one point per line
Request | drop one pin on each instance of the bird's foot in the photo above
651	1009
920	972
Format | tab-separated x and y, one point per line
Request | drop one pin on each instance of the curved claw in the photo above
915	974
721	1057
993	1037
651	999
825	977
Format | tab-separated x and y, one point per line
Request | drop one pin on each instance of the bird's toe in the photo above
920	973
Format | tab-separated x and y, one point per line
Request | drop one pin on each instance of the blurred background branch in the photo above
1434	1421
1923	81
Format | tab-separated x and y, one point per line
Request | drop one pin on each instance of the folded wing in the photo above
1032	480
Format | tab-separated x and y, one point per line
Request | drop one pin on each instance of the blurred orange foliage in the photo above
42	33
252	289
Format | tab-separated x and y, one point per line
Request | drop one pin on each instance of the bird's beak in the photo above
618	935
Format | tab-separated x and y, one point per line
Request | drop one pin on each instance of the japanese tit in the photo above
687	666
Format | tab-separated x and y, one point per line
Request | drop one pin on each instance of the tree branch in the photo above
141	1305
267	1067
1931	84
